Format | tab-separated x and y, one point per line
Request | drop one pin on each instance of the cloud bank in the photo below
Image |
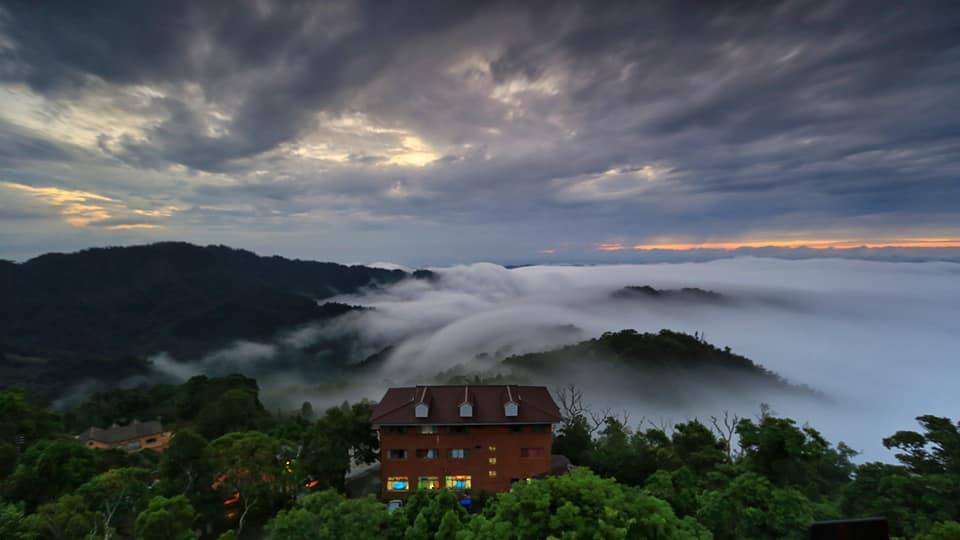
357	130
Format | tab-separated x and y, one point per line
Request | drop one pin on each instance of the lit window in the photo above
457	453
428	429
429	482
398	483
492	448
458	482
532	452
492	474
396	453
427	453
133	445
493	461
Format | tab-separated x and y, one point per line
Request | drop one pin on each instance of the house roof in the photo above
535	405
115	433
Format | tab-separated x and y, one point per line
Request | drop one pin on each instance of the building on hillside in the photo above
463	438
132	437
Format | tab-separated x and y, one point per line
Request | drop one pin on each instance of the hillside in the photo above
672	354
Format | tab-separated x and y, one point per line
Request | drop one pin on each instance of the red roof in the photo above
534	405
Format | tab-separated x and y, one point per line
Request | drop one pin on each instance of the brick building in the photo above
132	437
463	438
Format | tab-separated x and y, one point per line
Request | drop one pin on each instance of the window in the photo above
396	453
532	452
133	445
516	429
458	429
457	453
492	448
396	429
428	429
492	474
458	482
398	483
493	461
151	440
538	428
429	482
427	453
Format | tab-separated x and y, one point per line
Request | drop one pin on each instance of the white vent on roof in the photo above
510	408
422	410
466	410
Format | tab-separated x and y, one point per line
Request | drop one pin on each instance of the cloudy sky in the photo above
435	132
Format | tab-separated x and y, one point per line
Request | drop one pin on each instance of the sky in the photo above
450	132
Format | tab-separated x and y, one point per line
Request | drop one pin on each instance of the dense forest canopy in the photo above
724	478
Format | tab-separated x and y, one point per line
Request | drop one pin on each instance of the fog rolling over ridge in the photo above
879	340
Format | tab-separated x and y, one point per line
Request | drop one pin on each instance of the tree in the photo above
11	522
341	435
752	507
166	519
945	530
248	464
581	505
327	515
236	410
115	497
185	464
67	518
790	456
935	451
49	469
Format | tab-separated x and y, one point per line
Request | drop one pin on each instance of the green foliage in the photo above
166	519
12	522
424	511
581	505
116	497
752	507
249	464
67	518
49	469
935	451
327	515
790	456
328	445
945	530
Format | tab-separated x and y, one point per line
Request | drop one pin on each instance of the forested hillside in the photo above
234	470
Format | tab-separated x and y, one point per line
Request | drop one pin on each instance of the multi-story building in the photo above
132	437
463	438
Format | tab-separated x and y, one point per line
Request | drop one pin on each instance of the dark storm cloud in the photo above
633	119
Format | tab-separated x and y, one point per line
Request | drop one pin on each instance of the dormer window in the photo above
511	408
422	410
466	410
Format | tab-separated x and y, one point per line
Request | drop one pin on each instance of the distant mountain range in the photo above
99	312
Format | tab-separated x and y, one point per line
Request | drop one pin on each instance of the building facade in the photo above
463	438
133	437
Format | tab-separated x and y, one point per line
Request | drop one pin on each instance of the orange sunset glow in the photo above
810	244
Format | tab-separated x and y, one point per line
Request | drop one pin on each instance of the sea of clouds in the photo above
879	340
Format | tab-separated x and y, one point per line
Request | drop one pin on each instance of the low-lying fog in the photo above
880	340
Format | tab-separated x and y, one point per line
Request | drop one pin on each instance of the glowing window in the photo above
493	461
458	482
492	474
428	482
457	453
428	429
492	448
398	483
